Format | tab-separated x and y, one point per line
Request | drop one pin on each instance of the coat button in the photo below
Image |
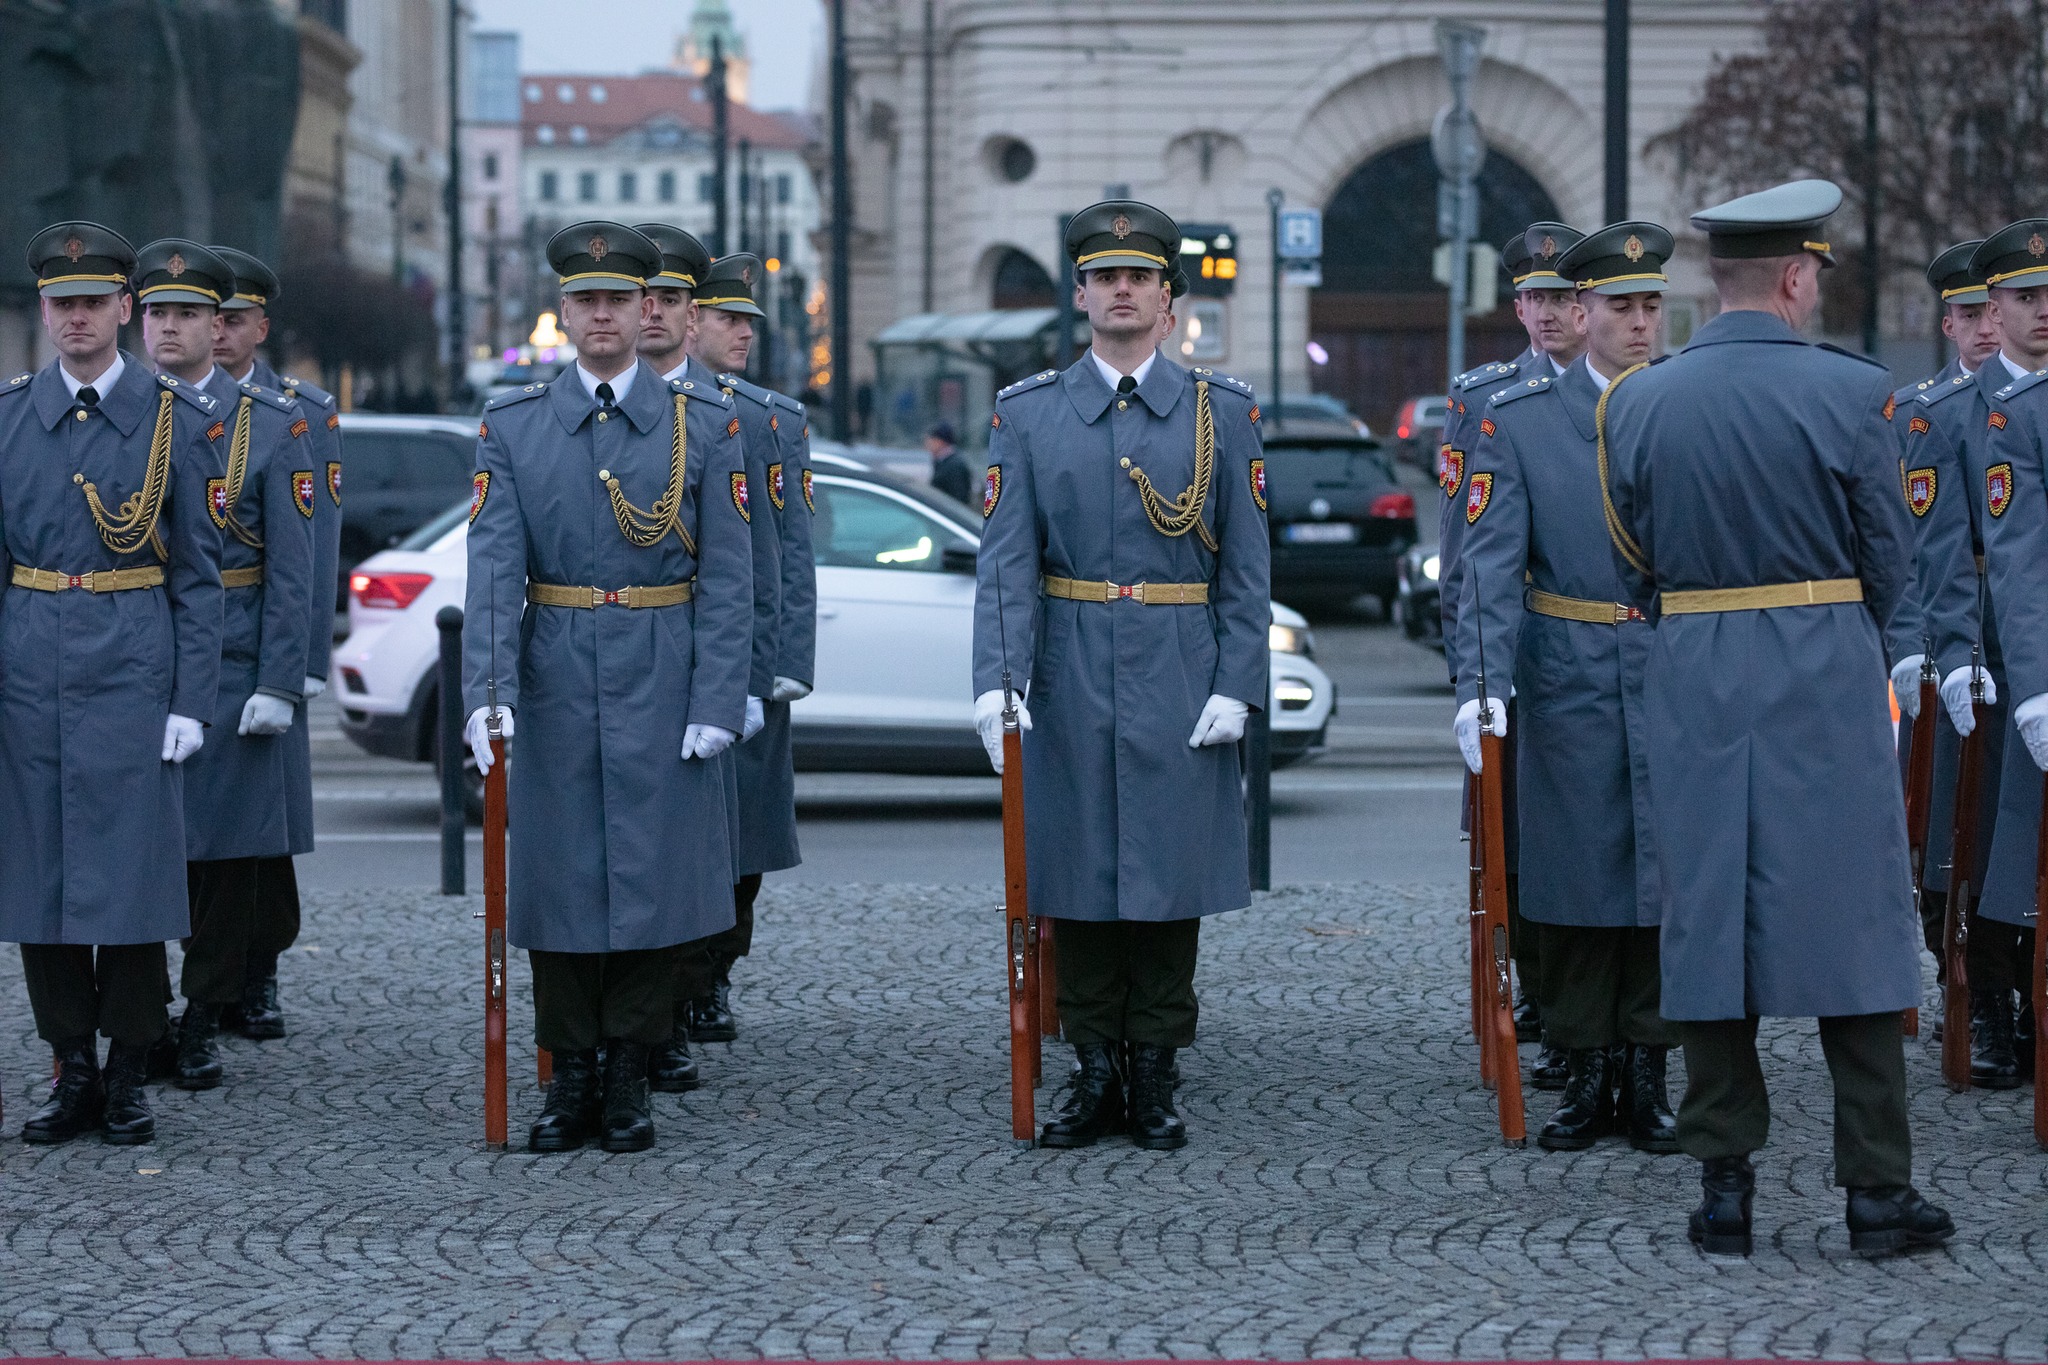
604	474
1125	462
602	415
1121	405
81	414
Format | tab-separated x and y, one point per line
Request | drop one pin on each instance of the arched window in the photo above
1021	282
1379	231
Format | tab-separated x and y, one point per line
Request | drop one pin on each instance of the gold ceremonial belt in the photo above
1819	593
1144	594
588	599
1582	609
251	577
103	580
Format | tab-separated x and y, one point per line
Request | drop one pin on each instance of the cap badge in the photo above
1120	228
599	248
1549	248
175	266
2036	247
1633	247
73	248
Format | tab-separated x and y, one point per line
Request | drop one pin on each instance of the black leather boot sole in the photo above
1718	1243
1551	1070
711	1022
261	1020
673	1072
1887	1225
126	1120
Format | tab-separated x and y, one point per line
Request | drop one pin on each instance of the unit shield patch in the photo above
739	497
1998	488
1451	471
1259	483
480	487
334	481
1920	490
217	501
775	485
1476	501
991	491
302	491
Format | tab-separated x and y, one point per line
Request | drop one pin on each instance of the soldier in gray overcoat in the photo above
610	608
110	633
1540	579
1124	577
245	325
1757	511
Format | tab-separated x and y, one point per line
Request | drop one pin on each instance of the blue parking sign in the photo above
1301	234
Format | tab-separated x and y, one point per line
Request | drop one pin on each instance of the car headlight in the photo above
1429	568
1290	639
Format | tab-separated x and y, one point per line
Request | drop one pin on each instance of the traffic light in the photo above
1208	253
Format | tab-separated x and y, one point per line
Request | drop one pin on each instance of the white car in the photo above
895	636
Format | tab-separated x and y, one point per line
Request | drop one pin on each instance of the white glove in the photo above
182	738
1466	727
757	716
478	733
1906	684
1221	722
988	719
264	714
1955	695
707	741
2031	716
789	689
314	687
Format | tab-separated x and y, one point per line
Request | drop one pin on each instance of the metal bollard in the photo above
454	818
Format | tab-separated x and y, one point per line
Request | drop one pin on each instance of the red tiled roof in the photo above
630	101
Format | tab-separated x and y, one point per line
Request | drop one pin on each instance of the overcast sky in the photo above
614	37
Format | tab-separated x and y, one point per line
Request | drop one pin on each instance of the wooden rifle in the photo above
1020	930
494	913
1500	1062
2039	1003
1955	926
1920	793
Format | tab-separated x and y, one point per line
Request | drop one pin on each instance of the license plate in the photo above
1321	533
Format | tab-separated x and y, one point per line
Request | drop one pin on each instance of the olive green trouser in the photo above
222	896
1127	981
1727	1110
115	989
704	962
581	999
1601	987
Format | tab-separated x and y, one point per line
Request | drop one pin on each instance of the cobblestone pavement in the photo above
845	1185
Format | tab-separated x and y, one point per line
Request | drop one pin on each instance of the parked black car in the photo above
398	474
1339	517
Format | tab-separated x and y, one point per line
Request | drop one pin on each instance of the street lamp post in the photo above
1459	152
1274	199
842	240
458	302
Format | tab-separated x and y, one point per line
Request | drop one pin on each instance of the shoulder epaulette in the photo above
748	390
298	388
268	396
1043	377
1491	372
690	388
783	400
1230	382
185	391
1509	394
518	395
2021	385
18	383
1853	355
1930	396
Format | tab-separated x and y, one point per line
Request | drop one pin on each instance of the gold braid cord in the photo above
238	472
136	525
1616	532
1178	516
647	528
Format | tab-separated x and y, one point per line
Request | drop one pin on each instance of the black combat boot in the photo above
571	1114
1095	1104
198	1048
1528	1019
261	1019
1154	1077
1646	1099
1893	1217
672	1070
77	1096
1586	1114
1720	1225
127	1121
1552	1069
628	1121
1993	1063
711	1018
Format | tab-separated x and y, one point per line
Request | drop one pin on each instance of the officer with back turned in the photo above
1124	576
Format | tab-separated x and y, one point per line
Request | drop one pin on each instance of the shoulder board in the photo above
185	391
747	389
1930	396
690	388
2022	384
304	392
518	395
1491	372
18	384
1231	383
269	396
1853	355
1039	380
783	400
1540	384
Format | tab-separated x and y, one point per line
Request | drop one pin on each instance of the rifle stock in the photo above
1920	801
1020	948
2039	1002
1955	928
1475	917
494	947
1498	1051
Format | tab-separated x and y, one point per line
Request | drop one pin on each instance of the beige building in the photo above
1037	108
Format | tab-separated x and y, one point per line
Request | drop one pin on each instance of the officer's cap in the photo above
1531	256
684	261
1177	280
729	287
255	282
599	255
70	259
2014	257
1781	221
1626	258
174	270
1123	232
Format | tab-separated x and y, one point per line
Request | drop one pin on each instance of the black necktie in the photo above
1126	385
88	397
604	395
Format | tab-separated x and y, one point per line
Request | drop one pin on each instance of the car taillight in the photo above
1394	505
1402	431
392	591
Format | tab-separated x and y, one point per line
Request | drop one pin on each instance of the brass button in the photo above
1121	405
1125	462
81	414
604	474
602	415
78	478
